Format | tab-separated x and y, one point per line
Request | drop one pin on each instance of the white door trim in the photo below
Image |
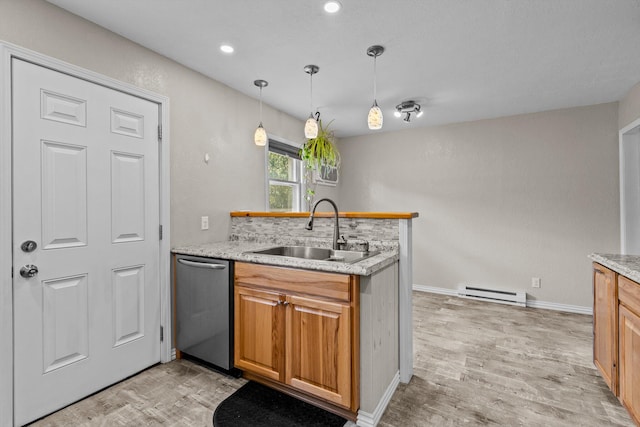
7	52
629	138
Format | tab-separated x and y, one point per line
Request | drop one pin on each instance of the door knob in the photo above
28	246
28	271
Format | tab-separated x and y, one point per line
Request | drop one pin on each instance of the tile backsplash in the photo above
257	228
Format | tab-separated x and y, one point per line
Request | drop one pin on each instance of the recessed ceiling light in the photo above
226	48
332	6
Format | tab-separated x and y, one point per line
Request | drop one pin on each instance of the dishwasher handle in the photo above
202	264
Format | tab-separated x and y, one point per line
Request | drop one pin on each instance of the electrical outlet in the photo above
535	282
204	223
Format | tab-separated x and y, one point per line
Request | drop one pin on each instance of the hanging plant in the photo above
318	153
321	150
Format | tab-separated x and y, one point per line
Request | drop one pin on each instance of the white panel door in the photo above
86	191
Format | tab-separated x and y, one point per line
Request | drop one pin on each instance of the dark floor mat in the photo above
254	405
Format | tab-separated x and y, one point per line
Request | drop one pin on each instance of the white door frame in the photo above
629	144
7	52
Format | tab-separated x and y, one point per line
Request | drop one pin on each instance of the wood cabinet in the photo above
299	329
605	324
616	335
629	346
319	349
259	332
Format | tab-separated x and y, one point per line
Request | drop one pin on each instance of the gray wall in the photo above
629	107
500	201
206	116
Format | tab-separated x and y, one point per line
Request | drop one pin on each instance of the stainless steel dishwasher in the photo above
204	310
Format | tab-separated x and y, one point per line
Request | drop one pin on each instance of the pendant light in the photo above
311	126
260	137
374	119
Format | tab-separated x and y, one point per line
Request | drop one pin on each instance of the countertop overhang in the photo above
627	265
237	251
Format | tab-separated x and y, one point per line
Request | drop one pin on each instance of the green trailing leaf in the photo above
316	153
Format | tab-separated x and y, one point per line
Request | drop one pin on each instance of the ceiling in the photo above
461	59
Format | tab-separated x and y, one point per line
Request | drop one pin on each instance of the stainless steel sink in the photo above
318	254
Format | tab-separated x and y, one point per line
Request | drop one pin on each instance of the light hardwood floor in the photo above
475	363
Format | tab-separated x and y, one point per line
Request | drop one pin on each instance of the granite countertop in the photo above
627	265
237	251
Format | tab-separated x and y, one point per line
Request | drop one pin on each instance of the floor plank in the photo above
479	363
476	363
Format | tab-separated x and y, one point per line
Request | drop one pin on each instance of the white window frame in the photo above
298	185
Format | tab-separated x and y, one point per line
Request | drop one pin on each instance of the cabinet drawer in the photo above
303	282
629	294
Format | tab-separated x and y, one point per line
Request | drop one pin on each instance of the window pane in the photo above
281	167
281	198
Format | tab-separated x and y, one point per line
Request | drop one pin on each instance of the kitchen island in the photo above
381	304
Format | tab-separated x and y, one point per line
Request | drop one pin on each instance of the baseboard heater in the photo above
494	295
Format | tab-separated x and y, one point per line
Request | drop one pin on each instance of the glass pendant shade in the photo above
311	128
311	125
375	119
260	137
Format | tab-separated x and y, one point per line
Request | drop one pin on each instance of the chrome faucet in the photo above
336	228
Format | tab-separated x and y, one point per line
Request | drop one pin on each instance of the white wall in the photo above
206	116
500	201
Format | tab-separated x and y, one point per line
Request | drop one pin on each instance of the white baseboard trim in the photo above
366	419
560	307
578	309
434	290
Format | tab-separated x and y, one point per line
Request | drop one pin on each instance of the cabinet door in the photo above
605	325
630	362
259	332
319	349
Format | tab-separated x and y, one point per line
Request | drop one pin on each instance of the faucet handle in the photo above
342	243
362	245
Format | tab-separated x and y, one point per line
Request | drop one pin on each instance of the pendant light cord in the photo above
375	78
260	104
311	93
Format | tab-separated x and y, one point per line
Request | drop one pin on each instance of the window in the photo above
284	176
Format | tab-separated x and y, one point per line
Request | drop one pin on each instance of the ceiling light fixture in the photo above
406	108
226	48
374	119
332	6
311	126
260	137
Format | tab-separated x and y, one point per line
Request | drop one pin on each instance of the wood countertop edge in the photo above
374	215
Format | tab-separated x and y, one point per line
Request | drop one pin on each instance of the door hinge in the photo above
160	232
161	333
159	132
